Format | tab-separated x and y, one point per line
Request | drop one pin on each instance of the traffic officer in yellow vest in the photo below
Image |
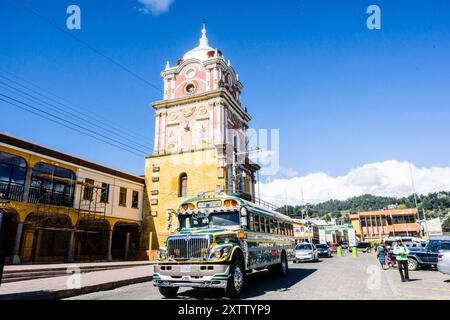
401	255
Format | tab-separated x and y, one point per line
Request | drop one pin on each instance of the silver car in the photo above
306	252
444	261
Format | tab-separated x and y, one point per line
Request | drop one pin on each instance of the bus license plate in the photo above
185	269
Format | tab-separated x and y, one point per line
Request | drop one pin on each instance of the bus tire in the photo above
237	278
281	269
168	292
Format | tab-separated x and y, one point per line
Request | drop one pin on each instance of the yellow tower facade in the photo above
200	137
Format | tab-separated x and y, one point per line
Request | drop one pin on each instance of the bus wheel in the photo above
168	292
236	279
282	268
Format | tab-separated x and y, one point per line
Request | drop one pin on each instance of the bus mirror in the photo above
244	222
243	212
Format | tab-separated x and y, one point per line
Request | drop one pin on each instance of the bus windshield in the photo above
226	219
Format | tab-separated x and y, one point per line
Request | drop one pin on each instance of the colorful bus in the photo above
221	238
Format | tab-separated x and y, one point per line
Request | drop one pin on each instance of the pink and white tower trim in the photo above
201	108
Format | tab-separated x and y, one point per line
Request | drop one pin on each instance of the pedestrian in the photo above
401	255
381	254
387	255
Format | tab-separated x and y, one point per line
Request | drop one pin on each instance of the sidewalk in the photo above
59	266
73	285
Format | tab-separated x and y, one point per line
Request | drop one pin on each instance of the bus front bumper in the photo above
193	276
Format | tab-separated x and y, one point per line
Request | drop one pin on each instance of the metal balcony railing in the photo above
11	191
43	196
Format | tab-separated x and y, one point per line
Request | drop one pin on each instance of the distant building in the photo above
305	231
432	227
376	225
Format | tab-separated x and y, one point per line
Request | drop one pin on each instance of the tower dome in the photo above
201	51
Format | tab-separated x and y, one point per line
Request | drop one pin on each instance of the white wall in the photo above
112	208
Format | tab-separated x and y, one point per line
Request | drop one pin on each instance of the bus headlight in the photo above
162	255
220	252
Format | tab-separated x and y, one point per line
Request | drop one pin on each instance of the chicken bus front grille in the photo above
188	248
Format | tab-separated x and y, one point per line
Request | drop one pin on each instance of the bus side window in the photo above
256	223
251	221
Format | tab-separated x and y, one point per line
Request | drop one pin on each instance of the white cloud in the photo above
389	178
155	6
288	172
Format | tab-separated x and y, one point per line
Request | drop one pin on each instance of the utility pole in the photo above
426	223
285	202
308	223
414	189
393	224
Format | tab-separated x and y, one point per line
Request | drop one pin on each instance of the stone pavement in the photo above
76	283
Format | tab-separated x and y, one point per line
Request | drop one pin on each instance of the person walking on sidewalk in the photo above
381	254
401	255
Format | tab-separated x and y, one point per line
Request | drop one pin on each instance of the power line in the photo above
64	112
67	121
67	126
121	66
129	132
90	133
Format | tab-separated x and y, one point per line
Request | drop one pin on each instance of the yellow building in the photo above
200	137
305	231
65	208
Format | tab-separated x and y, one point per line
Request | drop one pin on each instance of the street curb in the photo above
67	293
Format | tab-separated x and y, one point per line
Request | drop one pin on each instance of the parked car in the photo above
428	256
362	246
444	259
333	247
306	252
323	250
344	245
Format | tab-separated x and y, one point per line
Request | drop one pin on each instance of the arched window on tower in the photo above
182	185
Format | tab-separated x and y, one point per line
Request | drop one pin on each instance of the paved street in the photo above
335	278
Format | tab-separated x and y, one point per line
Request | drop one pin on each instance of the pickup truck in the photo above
428	256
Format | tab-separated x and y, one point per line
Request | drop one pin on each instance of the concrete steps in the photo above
31	272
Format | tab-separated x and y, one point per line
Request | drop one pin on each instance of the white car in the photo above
444	261
306	252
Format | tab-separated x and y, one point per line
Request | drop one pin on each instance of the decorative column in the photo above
16	256
127	245
27	185
37	247
108	254
70	247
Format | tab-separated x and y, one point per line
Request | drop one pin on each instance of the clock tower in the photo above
200	136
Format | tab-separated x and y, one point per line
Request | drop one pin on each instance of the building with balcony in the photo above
65	208
376	225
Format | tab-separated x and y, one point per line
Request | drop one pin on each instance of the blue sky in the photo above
341	95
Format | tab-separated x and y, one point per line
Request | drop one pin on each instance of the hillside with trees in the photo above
435	204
